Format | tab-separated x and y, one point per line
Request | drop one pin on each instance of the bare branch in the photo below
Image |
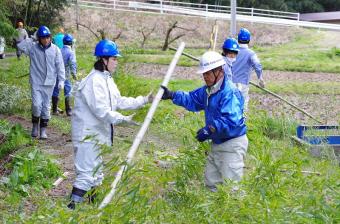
117	36
179	36
87	27
146	34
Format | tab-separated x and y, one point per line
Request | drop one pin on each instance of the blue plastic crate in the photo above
320	138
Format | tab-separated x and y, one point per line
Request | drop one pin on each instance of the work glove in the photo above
128	120
61	85
203	134
149	98
167	94
261	83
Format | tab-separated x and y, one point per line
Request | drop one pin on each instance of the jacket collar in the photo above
244	46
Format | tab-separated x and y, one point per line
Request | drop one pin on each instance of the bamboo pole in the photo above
215	39
143	129
264	89
286	101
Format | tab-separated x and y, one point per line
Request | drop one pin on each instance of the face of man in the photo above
231	55
111	64
212	76
45	41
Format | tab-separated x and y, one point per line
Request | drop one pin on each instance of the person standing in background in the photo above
22	35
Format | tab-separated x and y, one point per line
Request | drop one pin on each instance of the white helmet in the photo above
209	61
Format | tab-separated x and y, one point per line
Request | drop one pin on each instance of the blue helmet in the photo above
244	35
43	31
106	48
231	44
68	39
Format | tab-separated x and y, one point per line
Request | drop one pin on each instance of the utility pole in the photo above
233	18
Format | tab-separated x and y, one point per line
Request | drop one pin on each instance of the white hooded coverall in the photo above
96	100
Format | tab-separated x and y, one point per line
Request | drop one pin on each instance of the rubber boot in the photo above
55	100
68	106
77	196
43	127
35	128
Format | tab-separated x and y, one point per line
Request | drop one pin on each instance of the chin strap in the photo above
105	65
215	81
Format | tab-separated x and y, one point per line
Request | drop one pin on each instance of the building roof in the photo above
320	16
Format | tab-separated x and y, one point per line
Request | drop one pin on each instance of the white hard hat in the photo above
209	61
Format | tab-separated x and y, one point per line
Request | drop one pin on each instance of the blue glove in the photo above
203	134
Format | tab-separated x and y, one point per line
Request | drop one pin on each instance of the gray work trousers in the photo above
225	161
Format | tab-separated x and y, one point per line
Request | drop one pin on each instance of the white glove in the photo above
149	98
261	83
61	85
128	120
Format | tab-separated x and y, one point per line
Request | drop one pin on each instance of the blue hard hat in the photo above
106	48
43	31
244	35
231	45
68	39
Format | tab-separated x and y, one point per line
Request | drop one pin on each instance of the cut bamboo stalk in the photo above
143	129
60	179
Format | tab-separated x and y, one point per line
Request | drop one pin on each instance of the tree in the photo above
6	28
168	39
146	33
35	12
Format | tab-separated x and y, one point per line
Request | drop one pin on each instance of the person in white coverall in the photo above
97	100
225	124
46	64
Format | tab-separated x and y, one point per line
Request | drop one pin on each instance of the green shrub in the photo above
11	98
32	169
13	137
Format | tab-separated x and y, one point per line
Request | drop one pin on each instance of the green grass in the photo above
274	190
303	54
329	88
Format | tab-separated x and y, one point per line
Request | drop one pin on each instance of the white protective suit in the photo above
96	100
45	66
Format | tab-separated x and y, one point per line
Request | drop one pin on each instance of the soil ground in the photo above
324	107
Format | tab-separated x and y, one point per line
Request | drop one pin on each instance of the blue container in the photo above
319	138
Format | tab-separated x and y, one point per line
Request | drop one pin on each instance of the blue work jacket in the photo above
246	61
223	109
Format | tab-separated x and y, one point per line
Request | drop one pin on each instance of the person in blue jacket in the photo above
230	50
225	124
70	64
246	61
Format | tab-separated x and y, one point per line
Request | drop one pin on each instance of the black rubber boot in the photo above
55	101
68	106
35	128
43	127
76	192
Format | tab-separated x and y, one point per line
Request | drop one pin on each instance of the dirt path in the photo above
60	146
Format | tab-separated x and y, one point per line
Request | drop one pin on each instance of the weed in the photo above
12	98
14	136
32	169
